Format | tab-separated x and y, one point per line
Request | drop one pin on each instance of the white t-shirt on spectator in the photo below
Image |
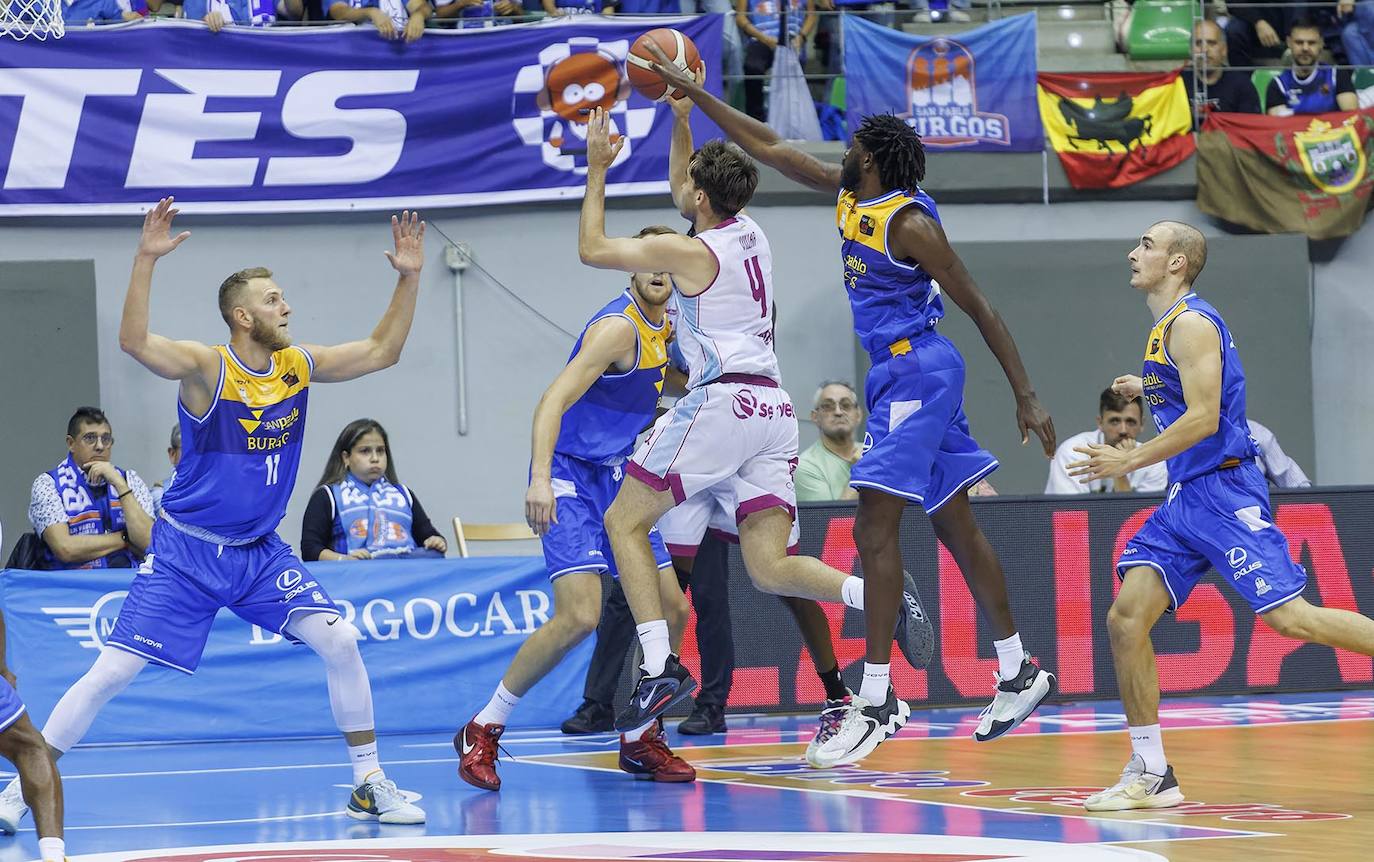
46	509
1147	479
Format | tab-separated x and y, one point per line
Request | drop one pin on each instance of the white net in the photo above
41	19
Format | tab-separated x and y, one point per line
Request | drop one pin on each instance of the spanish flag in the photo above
1112	129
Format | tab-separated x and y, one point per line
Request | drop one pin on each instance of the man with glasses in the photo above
823	470
90	513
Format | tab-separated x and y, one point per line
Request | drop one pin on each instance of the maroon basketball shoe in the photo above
650	759
476	745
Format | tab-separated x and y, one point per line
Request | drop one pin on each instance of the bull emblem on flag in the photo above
1105	123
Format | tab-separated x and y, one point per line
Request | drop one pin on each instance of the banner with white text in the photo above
308	119
436	637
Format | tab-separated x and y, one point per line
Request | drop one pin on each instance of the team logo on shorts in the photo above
90	624
746	404
289	580
1236	557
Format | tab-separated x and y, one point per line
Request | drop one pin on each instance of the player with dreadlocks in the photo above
897	265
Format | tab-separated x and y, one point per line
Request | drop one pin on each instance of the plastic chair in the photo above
1160	30
1261	78
488	533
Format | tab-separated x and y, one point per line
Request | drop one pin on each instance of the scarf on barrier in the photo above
90	511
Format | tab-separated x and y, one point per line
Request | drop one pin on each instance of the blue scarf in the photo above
377	518
90	511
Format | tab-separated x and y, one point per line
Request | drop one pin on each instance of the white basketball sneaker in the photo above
12	807
831	719
1014	701
864	726
1137	789
379	799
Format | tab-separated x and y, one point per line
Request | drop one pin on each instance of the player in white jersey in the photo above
733	436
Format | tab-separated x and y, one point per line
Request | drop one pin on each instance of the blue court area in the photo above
930	793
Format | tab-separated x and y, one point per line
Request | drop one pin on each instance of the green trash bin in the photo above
1161	30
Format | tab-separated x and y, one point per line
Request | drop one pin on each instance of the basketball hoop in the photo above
41	19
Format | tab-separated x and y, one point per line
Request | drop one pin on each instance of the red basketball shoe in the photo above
649	758
476	744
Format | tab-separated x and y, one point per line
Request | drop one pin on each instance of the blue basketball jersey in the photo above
1316	95
1164	394
605	421
891	300
766	16
238	461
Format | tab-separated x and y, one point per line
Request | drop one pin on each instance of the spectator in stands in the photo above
1118	424
174	456
361	511
1357	31
90	513
823	469
1274	462
1255	29
1309	87
957	11
475	14
1227	89
760	21
559	8
79	13
218	13
394	19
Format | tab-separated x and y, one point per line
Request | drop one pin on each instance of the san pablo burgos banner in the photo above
436	637
322	119
970	91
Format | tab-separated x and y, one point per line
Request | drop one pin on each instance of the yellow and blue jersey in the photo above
1164	394
891	300
238	461
602	425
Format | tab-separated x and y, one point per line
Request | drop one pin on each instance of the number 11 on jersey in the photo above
273	463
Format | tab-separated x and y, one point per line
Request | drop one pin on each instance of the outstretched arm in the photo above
606	343
381	349
916	236
680	152
173	360
1195	346
687	259
756	138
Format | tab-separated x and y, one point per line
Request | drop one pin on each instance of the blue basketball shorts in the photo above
11	707
583	491
184	581
918	444
1220	520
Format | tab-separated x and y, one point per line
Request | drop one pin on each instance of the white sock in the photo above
364	760
653	636
638	733
499	708
875	684
1010	654
52	849
852	592
1148	742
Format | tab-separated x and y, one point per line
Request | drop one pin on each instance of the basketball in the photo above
679	49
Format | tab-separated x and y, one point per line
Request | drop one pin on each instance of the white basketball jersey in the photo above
728	328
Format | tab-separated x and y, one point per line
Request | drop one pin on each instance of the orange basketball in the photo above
639	64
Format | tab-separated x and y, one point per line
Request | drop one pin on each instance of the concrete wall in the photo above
1342	385
338	282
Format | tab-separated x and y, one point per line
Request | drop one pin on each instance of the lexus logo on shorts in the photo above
1236	557
746	404
288	580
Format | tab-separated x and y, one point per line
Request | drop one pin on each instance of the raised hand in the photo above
1128	386
674	77
157	224
682	105
601	149
409	233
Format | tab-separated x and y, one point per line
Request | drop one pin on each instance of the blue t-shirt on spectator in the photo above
249	12
81	11
764	15
395	8
1315	94
587	7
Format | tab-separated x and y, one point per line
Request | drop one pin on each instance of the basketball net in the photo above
41	19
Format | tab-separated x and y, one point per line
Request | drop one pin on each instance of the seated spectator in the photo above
174	456
1273	462
475	14
79	13
955	11
1357	31
1309	87
559	8
218	13
823	469
361	511
760	22
1227	89
90	513
1118	424
394	19
1255	30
